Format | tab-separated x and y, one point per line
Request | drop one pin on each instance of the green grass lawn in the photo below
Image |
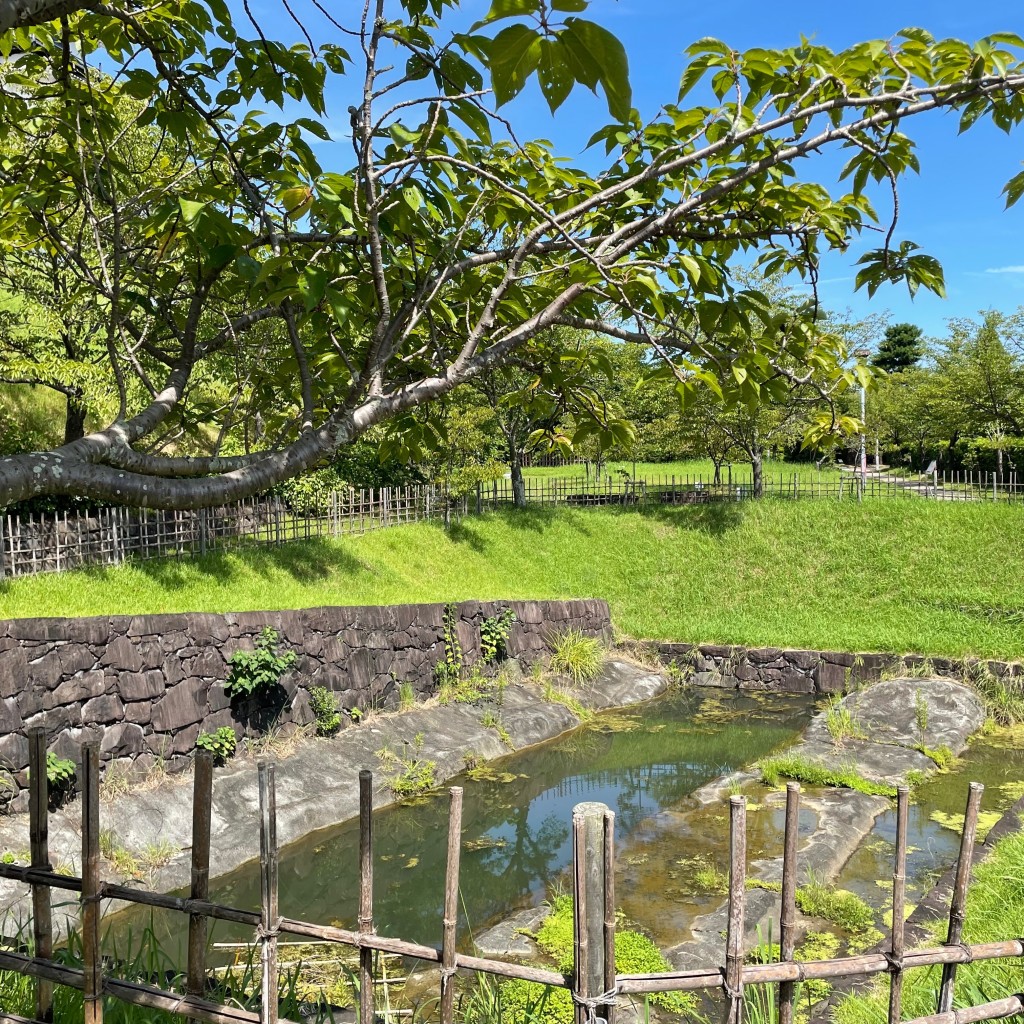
693	468
898	576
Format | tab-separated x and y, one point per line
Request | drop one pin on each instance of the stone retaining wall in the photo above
151	683
798	671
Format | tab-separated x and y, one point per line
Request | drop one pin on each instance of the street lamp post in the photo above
863	353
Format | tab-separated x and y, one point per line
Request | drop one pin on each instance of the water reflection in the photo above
516	838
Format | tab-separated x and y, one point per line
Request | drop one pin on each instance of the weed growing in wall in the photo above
324	705
494	633
258	671
221	743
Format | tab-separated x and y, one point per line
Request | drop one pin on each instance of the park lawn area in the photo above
702	468
887	575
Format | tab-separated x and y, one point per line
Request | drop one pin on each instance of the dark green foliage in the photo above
259	670
325	708
902	347
222	743
494	634
449	669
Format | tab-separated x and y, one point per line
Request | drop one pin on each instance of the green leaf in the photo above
312	284
1014	189
510	9
609	56
190	209
515	53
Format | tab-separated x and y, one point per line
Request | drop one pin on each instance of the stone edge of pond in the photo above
317	784
933	907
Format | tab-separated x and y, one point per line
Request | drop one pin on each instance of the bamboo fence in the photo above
37	543
594	985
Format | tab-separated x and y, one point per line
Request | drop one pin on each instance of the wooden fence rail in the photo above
594	984
53	543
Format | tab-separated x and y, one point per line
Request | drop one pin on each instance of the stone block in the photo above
32	701
13	671
218	698
75	658
37	629
301	710
123	740
184	740
11	719
80	688
838	658
140	712
14	752
56	721
122	656
181	705
134	686
46	671
209	664
153	625
802	659
151	653
87	631
208	628
829	677
103	710
360	668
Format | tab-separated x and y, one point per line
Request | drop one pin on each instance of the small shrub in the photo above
221	743
60	777
577	655
356	714
324	705
494	633
257	671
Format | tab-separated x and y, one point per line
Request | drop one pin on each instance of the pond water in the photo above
516	826
643	763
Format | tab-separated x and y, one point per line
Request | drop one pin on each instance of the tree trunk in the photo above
757	465
518	484
718	473
74	422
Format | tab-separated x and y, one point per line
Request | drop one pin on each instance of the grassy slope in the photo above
887	575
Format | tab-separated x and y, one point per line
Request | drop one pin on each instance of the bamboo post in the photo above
734	932
590	996
451	906
958	904
269	916
609	911
787	915
202	807
92	963
42	921
899	895
366	1009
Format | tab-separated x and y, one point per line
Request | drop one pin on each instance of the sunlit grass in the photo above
692	468
888	575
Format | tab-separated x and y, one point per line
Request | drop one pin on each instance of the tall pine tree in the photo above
901	348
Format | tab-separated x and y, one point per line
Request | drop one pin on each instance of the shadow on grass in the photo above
305	561
715	518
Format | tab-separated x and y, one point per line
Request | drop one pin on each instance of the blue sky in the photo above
953	209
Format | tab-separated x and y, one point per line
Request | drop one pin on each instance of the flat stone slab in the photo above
318	785
506	939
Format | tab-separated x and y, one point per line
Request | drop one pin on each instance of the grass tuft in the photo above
577	655
791	766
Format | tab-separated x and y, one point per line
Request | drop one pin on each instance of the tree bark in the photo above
518	484
718	473
74	422
24	13
757	464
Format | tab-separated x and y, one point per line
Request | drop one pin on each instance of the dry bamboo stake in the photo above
787	915
737	893
366	1008
270	918
91	954
959	901
609	911
451	906
42	921
581	939
899	896
202	807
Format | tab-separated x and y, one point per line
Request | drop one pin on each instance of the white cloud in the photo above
1019	269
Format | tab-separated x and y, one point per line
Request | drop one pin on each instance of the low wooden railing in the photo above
594	984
